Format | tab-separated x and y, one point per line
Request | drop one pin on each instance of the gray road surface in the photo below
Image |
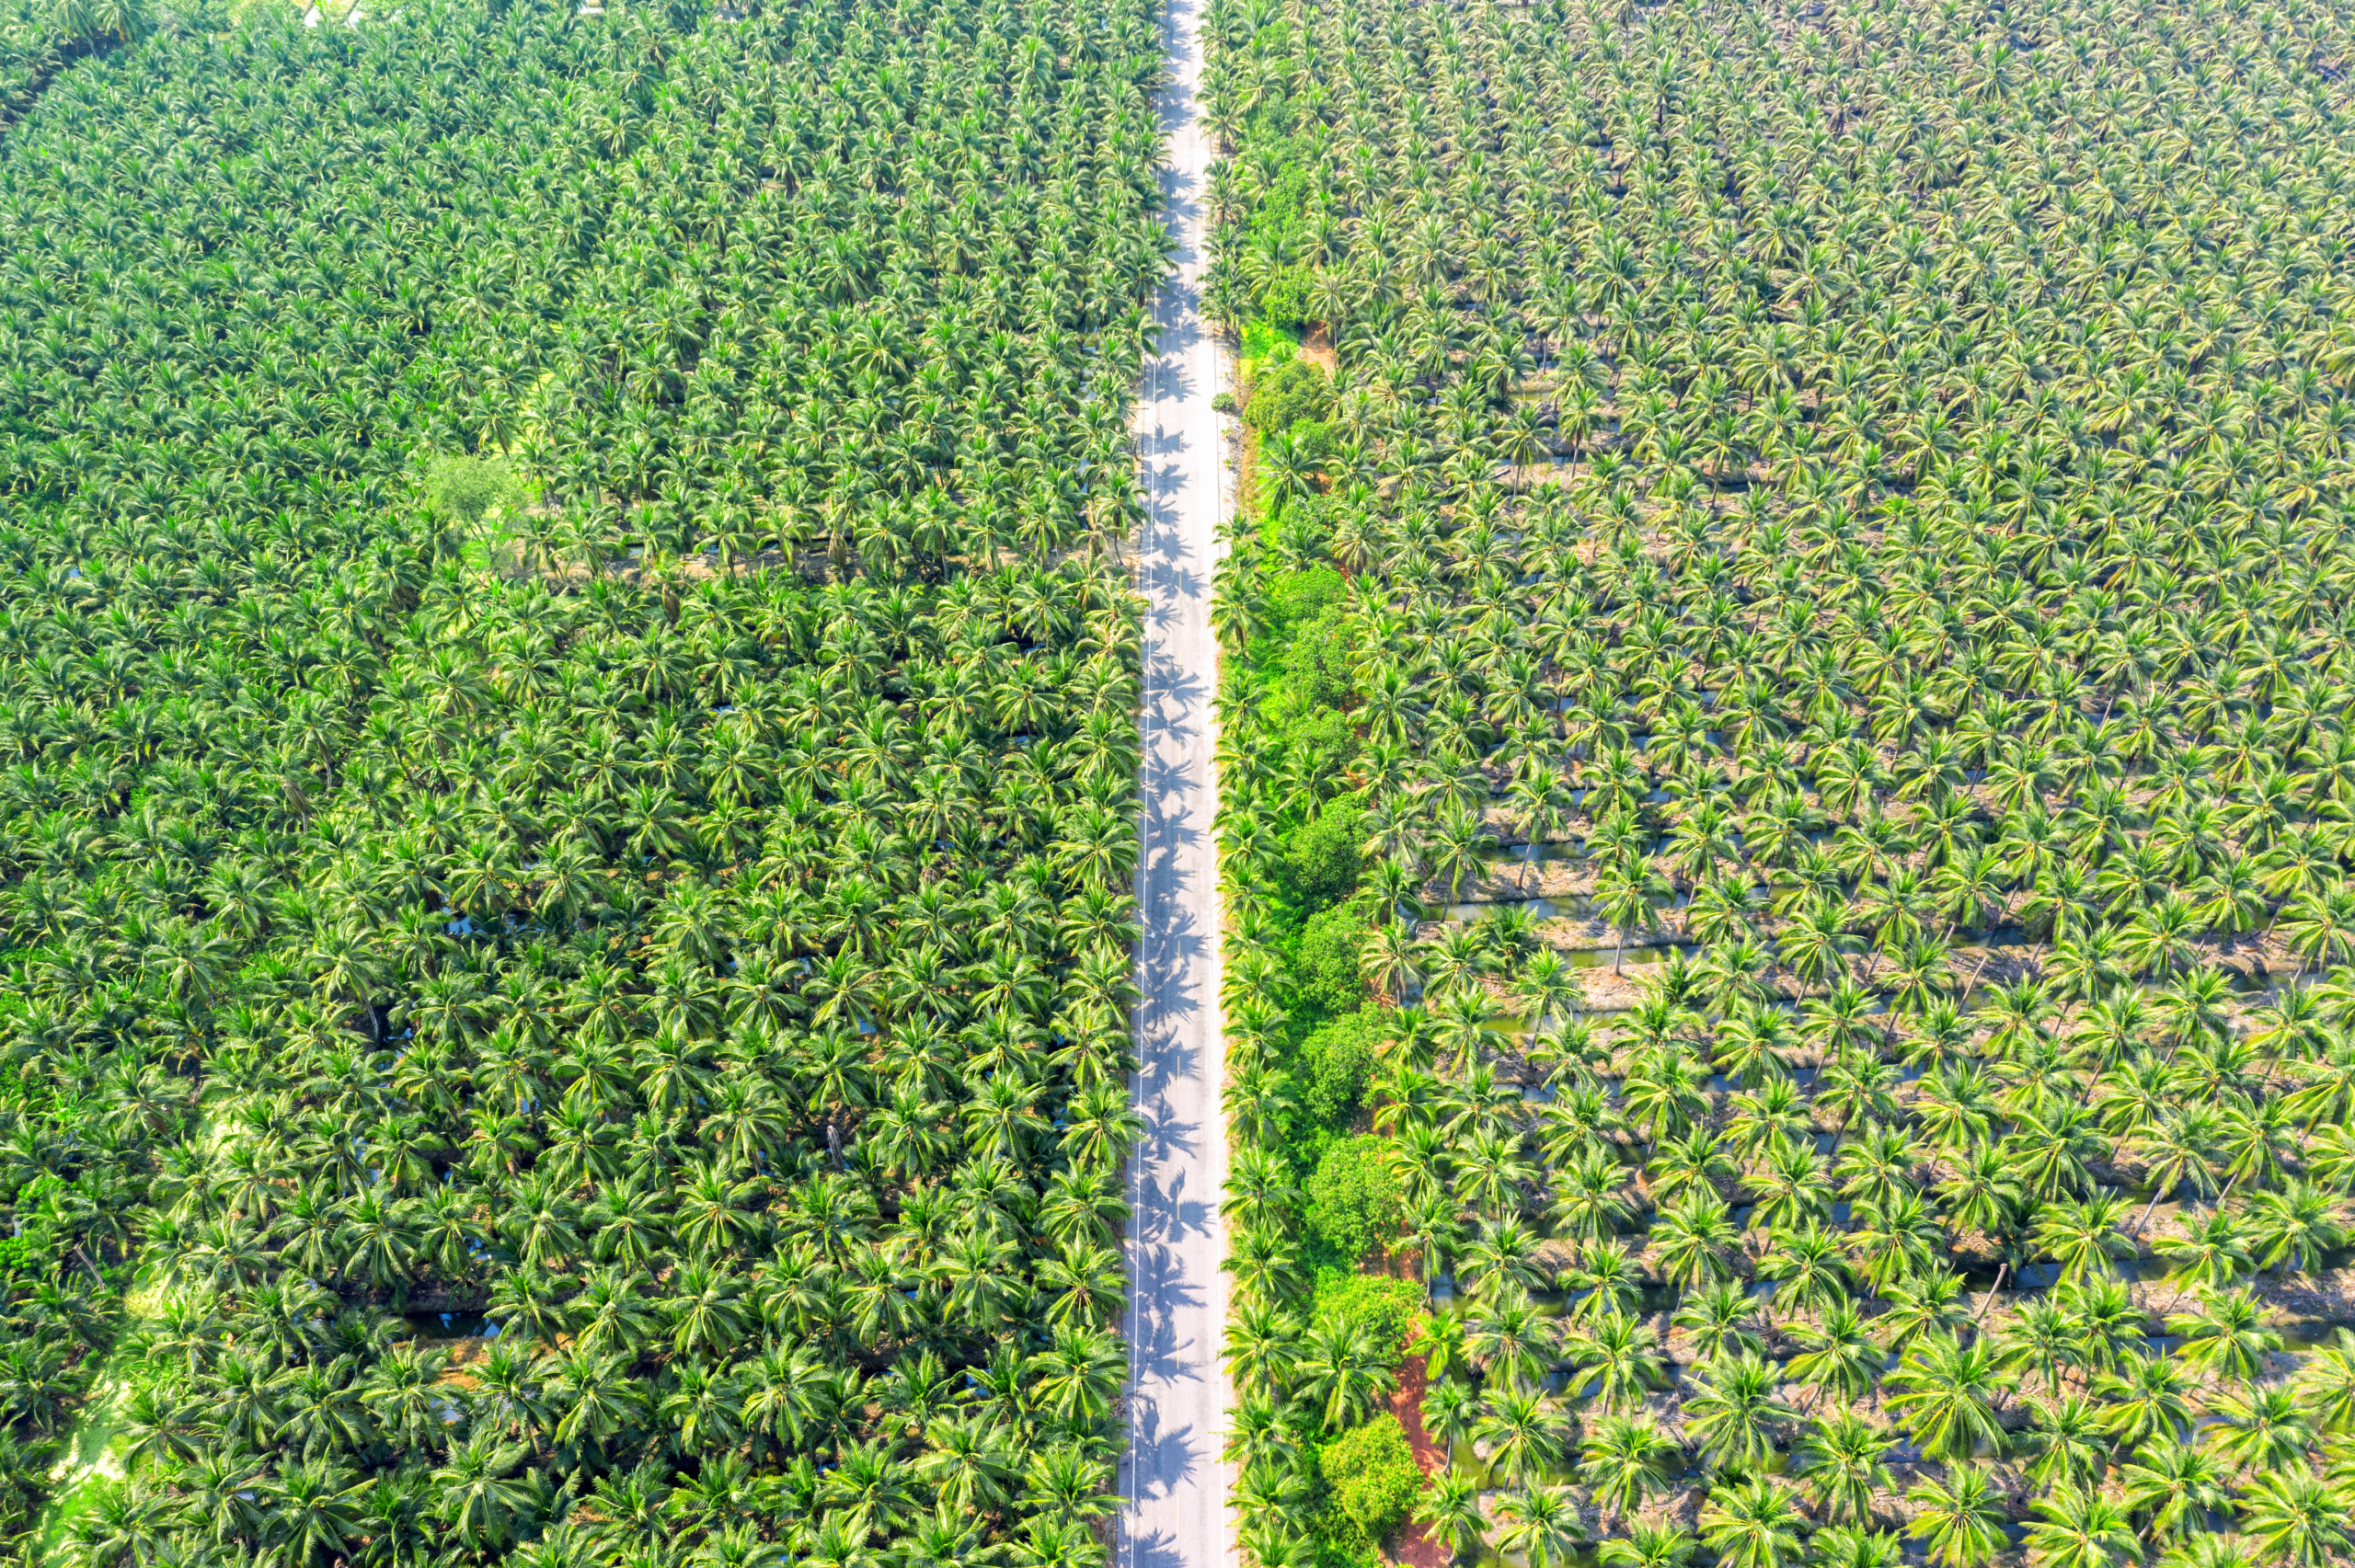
1175	1482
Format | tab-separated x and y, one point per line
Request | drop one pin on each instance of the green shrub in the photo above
1336	1061
1353	1199
1315	440
1322	857
463	489
1268	342
1328	975
1385	1308
1372	1474
1286	393
1285	296
1319	664
1296	598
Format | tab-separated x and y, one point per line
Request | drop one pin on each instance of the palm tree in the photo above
1722	1320
1449	1509
1836	1355
2265	1429
2222	1339
1539	1524
2210	1250
2173	1485
1525	1432
2328	1386
1944	1394
1625	1459
1732	1413
1624	891
1752	1525
1343	1370
2294	1225
2080	1530
2065	1440
2295	1518
1958	1520
1843	1466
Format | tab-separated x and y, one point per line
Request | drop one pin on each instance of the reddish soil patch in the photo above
1317	347
1415	1547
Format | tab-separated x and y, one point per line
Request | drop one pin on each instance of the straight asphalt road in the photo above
1175	1481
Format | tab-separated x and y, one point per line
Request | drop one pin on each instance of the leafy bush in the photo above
463	489
1336	1061
1287	393
1321	858
1354	1201
1384	1307
1327	973
1297	597
1318	665
1372	1475
1267	342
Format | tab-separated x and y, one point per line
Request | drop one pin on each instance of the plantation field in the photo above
1786	781
567	690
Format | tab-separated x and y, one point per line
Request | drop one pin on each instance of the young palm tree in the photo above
1958	1520
1752	1525
2080	1530
1944	1394
1625	1459
2294	1518
1525	1432
2173	1486
1732	1413
1843	1466
1449	1509
2224	1339
1540	1525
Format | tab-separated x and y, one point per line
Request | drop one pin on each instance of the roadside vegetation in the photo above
567	693
1787	771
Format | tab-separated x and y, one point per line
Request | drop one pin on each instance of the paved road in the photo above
1175	1482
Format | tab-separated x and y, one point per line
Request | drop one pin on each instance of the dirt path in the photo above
1415	1546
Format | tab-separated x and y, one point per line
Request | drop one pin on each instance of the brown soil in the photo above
1411	1545
1317	347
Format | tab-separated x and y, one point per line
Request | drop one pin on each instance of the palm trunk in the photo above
2136	1233
1968	985
1992	1291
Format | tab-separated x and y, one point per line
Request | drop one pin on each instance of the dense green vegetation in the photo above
569	782
37	39
1849	500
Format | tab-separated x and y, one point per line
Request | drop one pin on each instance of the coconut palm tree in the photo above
1539	1525
1843	1466
2294	1518
1752	1525
1732	1414
1960	1519
1944	1393
2080	1530
1625	1459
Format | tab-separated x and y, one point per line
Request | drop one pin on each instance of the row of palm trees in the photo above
590	994
1870	511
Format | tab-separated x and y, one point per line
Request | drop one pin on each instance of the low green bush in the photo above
1337	1060
1373	1477
1354	1202
1384	1307
463	489
1288	392
1322	861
